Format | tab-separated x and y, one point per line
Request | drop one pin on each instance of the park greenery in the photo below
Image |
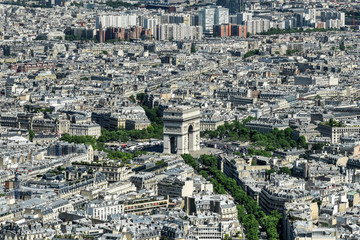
249	212
276	139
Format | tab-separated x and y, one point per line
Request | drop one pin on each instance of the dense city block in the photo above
179	120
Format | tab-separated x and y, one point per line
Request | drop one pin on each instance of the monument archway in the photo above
181	129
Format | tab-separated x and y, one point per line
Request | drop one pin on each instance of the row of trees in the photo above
249	212
276	139
295	30
69	37
259	152
118	3
88	140
24	3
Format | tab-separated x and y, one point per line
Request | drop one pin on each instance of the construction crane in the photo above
353	19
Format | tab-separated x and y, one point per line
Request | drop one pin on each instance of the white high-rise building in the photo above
310	15
258	25
211	16
221	16
243	17
122	21
333	23
178	32
333	15
151	23
207	19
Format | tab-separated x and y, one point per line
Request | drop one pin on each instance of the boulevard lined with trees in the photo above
249	212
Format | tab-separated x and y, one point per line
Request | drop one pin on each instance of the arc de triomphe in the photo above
181	129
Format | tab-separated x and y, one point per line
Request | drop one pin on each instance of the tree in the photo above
246	120
334	123
331	122
342	47
140	97
294	30
31	135
41	37
224	184
118	3
71	38
159	163
302	142
251	53
288	132
268	173
193	48
204	173
318	146
251	226
285	170
132	98
227	237
190	161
